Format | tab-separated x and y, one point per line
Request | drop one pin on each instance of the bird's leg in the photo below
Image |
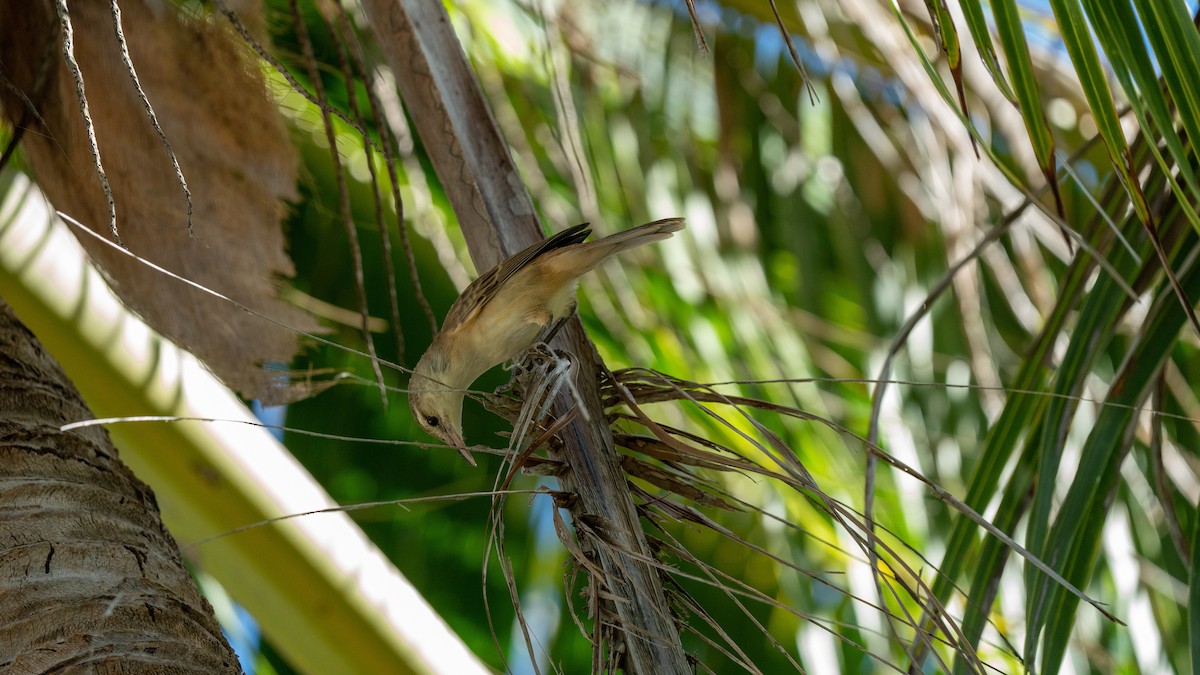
543	342
539	358
556	326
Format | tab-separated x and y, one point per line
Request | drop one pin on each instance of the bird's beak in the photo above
457	441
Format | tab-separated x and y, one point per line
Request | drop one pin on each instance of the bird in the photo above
507	310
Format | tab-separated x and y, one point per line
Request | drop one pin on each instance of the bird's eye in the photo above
432	421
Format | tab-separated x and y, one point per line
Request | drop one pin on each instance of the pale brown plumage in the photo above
504	312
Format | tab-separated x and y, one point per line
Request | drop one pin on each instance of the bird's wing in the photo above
483	289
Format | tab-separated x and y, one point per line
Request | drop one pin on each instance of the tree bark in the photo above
90	580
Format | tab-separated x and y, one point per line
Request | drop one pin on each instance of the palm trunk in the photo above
90	580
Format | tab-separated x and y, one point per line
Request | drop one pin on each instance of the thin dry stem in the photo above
356	261
68	33
162	136
344	35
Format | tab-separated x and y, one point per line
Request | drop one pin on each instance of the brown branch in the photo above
498	219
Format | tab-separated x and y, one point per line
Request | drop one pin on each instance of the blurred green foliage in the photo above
817	227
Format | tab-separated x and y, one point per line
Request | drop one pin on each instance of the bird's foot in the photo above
543	351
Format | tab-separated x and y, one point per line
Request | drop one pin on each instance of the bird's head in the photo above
437	406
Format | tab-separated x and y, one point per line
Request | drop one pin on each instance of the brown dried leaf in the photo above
232	148
672	482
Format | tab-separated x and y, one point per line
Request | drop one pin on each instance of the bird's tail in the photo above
588	255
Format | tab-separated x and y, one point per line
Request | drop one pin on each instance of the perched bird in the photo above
504	312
